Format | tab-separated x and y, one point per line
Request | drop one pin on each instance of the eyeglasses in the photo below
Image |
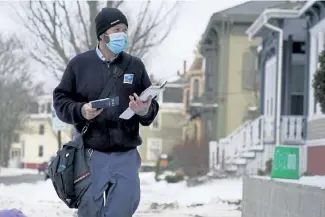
120	29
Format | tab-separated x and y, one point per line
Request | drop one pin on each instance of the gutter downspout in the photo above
279	81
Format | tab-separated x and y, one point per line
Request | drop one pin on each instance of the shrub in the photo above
268	168
192	157
319	82
174	178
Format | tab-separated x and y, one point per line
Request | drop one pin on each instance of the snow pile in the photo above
317	181
208	200
34	200
223	189
40	199
16	171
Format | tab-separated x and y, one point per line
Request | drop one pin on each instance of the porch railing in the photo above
292	129
241	140
254	134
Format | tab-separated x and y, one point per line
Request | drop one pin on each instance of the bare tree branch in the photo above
114	4
84	25
63	29
17	91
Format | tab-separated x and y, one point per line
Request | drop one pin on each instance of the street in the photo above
26	178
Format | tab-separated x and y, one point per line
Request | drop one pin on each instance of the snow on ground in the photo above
317	181
16	172
163	192
158	199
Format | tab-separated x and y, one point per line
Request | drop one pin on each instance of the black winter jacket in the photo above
83	81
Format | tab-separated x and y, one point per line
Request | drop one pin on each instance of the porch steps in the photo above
243	151
231	168
248	154
257	148
240	161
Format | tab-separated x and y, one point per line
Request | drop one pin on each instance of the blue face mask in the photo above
117	42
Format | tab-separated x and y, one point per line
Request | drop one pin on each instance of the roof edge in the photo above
306	6
267	14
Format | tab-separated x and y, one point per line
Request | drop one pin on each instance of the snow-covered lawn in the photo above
16	172
316	181
158	199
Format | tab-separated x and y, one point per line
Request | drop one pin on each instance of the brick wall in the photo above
316	160
263	197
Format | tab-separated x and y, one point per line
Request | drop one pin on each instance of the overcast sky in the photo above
167	58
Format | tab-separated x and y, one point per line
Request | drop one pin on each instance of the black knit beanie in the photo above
107	18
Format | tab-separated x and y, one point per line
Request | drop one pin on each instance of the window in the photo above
186	135
195	131
209	126
187	98
208	73
40	151
154	149
43	109
16	138
49	108
15	153
33	108
249	66
173	95
41	129
297	105
155	123
196	89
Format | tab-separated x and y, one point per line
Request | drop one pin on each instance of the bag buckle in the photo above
85	128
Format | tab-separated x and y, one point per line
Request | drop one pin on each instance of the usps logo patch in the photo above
128	79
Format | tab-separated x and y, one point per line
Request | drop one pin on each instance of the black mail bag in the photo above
69	171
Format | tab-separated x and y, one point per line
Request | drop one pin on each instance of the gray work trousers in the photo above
115	185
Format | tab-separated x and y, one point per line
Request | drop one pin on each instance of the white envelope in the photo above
150	91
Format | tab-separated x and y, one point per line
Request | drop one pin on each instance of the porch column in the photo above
287	75
312	67
306	83
261	68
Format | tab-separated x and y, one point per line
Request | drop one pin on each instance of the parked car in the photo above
42	167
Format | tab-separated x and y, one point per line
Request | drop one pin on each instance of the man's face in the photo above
117	28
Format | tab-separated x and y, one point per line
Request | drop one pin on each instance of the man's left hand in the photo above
139	107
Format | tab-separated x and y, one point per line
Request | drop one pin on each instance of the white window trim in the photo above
149	142
159	123
316	33
270	88
315	142
170	104
203	64
160	99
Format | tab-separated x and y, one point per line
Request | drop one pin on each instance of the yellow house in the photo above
38	141
193	90
231	75
166	130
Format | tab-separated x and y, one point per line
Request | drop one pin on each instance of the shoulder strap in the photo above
116	73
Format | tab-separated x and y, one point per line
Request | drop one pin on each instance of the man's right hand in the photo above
89	112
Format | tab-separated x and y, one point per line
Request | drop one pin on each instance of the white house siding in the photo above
269	97
316	120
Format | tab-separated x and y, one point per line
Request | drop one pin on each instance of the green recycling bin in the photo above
285	163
